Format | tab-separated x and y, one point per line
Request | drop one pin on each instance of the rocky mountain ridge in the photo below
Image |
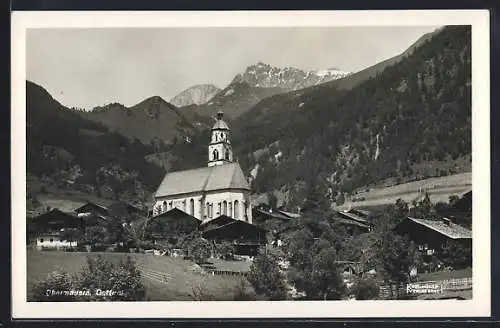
196	95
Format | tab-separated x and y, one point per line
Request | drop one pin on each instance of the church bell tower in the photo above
220	150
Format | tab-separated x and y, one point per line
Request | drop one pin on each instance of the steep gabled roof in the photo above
217	177
233	228
217	222
174	213
92	207
353	216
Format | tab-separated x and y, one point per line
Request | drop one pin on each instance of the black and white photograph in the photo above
285	163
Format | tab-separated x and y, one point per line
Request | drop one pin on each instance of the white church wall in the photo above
213	198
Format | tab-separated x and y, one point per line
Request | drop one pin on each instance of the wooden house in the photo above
49	229
354	221
432	235
172	224
247	238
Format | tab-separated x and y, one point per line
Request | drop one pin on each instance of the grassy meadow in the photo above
166	278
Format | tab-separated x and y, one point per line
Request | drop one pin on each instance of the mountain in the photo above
258	82
288	78
151	119
234	99
67	150
196	95
350	81
395	121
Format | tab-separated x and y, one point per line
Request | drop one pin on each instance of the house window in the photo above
41	240
215	155
225	208
51	240
191	206
236	210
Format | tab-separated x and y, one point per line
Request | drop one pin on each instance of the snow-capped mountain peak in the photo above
289	78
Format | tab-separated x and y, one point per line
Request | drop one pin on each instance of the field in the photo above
444	275
165	278
439	189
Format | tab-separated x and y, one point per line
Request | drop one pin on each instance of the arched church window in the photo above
236	211
227	155
184	205
215	154
230	209
246	211
165	206
191	206
224	207
209	214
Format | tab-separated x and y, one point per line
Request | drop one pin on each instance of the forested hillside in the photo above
416	111
153	119
70	151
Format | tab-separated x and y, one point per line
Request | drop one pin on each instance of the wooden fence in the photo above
425	287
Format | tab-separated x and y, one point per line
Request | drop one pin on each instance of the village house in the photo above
48	229
207	193
432	235
246	238
354	220
168	226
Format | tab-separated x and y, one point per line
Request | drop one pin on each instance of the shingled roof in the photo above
453	231
217	177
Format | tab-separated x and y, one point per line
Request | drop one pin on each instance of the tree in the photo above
266	278
226	251
456	255
135	232
94	235
366	289
313	269
272	200
326	281
397	255
401	208
199	249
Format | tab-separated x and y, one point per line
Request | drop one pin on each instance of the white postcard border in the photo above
479	306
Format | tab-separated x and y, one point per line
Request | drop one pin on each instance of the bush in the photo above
243	292
100	280
366	289
54	288
123	280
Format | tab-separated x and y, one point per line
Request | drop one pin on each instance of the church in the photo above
206	193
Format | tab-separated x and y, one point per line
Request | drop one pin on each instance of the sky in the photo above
89	67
